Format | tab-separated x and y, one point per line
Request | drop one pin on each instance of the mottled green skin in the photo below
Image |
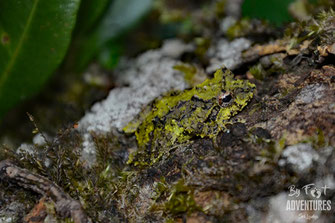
176	118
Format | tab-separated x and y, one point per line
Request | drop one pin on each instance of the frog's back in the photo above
195	112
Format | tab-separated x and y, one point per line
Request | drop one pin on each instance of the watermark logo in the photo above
298	200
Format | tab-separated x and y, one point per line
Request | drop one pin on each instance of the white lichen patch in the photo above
227	53
278	210
141	80
26	148
226	23
311	93
40	139
299	156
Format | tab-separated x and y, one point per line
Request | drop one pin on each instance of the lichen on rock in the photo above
143	79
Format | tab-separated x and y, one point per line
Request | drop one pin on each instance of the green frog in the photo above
175	118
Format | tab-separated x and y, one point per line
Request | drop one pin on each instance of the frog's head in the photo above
234	91
233	94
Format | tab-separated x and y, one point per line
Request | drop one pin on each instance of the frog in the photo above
177	117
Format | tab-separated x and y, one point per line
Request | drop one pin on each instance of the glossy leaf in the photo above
110	54
89	14
34	36
275	11
119	18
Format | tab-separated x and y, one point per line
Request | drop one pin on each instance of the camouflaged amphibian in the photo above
175	118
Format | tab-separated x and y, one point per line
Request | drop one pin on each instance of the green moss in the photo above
161	188
202	45
257	71
317	140
177	198
319	29
220	6
60	161
189	72
322	27
273	148
239	28
181	199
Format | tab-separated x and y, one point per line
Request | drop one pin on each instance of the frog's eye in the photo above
225	98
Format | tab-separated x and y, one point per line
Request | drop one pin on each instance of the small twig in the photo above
31	118
64	204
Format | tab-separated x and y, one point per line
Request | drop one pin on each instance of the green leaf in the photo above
89	17
109	56
275	11
119	18
34	36
89	14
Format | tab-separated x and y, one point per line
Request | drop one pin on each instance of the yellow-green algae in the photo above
177	117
